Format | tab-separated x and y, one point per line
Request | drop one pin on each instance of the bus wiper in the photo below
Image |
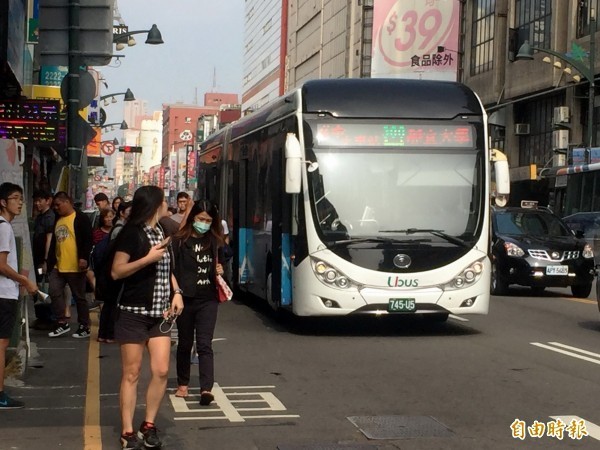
360	240
438	233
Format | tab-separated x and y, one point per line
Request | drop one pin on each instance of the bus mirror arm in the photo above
502	172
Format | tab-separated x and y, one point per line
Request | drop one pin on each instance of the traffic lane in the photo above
463	375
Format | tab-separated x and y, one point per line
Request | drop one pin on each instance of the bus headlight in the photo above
587	251
467	277
331	276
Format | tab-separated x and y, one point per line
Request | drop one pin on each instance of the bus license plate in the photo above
402	305
557	270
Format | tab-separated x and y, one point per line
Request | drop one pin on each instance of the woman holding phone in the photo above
142	261
197	252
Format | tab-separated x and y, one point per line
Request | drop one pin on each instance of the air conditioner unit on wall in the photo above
560	139
521	129
561	114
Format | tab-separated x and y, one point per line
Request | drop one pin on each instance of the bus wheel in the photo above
269	293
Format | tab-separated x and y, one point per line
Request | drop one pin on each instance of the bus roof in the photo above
389	98
363	98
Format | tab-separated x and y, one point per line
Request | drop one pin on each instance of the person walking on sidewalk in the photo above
197	250
68	262
11	203
143	263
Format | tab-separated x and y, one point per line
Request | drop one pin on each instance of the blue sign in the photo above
52	75
579	155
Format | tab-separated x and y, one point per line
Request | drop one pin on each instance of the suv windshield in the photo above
537	223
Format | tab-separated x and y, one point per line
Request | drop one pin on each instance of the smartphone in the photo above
165	242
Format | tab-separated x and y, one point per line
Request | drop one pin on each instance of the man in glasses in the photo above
11	203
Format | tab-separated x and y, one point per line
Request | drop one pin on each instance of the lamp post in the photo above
122	125
154	37
128	96
588	72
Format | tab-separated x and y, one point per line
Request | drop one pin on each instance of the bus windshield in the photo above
396	194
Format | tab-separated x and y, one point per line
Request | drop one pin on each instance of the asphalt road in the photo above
292	384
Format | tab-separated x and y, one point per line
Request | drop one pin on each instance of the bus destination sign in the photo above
394	135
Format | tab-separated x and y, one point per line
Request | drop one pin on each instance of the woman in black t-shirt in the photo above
197	250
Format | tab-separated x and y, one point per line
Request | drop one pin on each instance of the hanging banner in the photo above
415	39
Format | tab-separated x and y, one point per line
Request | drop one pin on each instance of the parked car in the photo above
534	247
588	225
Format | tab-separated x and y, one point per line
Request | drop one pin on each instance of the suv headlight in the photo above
331	276
513	250
467	277
587	251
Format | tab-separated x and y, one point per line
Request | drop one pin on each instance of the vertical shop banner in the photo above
406	37
191	167
173	171
161	177
181	168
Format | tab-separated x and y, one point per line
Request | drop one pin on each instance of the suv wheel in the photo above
499	286
582	291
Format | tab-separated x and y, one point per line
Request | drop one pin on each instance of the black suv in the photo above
533	247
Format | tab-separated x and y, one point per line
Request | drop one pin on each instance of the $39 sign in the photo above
415	28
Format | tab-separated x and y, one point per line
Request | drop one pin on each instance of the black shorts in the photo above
132	328
8	315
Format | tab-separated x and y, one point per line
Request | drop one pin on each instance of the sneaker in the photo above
61	329
148	434
8	403
130	441
82	332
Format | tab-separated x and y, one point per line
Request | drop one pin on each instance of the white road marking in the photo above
575	349
592	429
564	352
227	400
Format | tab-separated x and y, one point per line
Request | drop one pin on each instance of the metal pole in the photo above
591	92
73	144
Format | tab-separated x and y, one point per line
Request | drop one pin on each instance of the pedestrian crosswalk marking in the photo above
229	404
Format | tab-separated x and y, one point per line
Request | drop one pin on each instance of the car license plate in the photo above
557	270
402	305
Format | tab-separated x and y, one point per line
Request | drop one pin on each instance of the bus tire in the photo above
269	293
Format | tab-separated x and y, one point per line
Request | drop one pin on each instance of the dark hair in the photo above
172	209
122	207
216	228
100	196
7	189
62	195
115	199
146	201
183	195
40	193
103	213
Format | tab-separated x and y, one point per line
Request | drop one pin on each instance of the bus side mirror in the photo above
293	164
502	177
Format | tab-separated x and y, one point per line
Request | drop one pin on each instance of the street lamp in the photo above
154	37
588	72
122	125
129	97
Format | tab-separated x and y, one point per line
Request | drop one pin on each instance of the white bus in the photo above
354	196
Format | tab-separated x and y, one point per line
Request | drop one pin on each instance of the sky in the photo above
199	36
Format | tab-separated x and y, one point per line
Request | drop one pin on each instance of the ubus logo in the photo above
400	282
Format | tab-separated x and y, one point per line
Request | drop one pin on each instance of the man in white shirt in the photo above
11	203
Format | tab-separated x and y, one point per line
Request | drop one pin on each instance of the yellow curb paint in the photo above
92	433
582	300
